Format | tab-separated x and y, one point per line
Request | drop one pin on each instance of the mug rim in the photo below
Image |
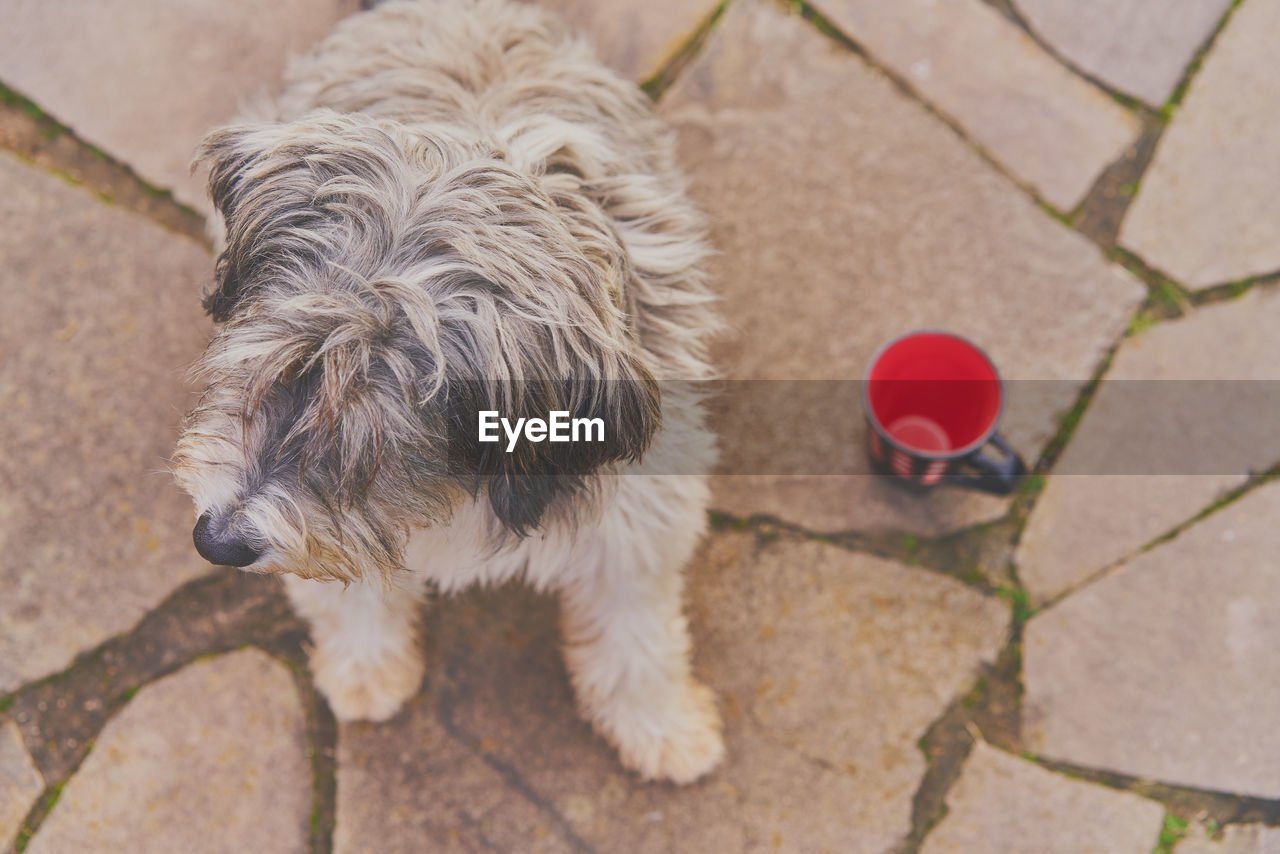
931	455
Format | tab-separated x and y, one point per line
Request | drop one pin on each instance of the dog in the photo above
453	209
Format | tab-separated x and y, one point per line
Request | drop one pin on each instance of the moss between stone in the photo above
1193	67
43	806
662	79
1174	829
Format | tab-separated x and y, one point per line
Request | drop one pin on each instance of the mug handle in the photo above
995	476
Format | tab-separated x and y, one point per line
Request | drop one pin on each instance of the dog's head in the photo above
378	289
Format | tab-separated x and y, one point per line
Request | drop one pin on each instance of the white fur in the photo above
619	581
456	80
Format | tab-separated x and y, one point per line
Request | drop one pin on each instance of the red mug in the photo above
933	402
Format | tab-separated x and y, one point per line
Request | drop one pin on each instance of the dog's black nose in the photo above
217	544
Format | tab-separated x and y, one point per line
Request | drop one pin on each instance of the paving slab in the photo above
102	318
1166	668
1165	435
1005	805
1205	213
1140	47
1235	839
829	666
1049	127
210	759
844	214
20	781
146	80
635	37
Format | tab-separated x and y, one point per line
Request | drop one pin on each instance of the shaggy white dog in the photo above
453	208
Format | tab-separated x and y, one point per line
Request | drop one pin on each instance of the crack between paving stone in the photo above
1185	801
509	774
989	710
932	554
321	730
1099	215
1011	13
1168	299
674	64
1253	481
948	740
827	28
43	142
478	826
62	714
1130	168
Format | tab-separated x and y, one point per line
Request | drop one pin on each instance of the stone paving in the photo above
1086	666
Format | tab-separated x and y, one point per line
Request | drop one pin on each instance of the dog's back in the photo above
512	80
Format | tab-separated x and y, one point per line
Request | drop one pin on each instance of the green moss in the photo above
821	22
1169	296
1180	91
1018	601
726	522
11	98
975	693
1140	323
1127	101
1061	217
661	79
51	796
1032	484
1174	829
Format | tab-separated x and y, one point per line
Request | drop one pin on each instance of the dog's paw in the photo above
366	689
689	747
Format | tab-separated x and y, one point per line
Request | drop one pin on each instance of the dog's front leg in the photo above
366	658
626	644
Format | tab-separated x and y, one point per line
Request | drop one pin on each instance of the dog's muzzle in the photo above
218	543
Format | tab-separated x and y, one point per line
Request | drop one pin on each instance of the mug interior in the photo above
934	393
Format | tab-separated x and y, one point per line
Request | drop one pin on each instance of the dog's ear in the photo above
228	153
258	182
523	483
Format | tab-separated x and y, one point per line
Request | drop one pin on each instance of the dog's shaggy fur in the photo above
454	207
